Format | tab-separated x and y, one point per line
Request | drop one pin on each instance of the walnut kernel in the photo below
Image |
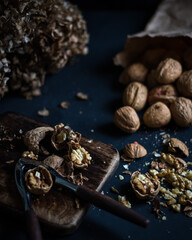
38	180
144	185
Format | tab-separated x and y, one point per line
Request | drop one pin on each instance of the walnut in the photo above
151	79
184	84
177	146
63	136
152	57
157	115
181	110
168	71
127	119
38	180
135	95
165	93
33	137
79	156
30	155
144	185
53	161
134	150
177	163
136	72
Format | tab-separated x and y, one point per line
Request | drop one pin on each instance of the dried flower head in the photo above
63	136
39	37
38	180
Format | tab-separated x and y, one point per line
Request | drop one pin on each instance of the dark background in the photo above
108	23
117	5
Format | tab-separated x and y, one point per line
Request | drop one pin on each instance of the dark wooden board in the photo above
57	209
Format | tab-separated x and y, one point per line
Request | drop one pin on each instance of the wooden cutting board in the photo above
57	209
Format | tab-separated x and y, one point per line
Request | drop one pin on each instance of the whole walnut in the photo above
127	119
135	95
135	72
152	57
151	79
165	93
181	110
168	71
184	84
157	115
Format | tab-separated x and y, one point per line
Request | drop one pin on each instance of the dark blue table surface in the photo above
96	75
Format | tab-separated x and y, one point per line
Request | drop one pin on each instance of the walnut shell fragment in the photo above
135	95
144	185
134	150
33	137
63	136
168	71
157	115
177	146
127	119
53	161
136	72
38	180
181	110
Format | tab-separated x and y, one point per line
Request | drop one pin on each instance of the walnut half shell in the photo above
144	185
38	180
33	137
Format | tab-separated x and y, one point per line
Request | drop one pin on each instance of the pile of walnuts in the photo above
164	84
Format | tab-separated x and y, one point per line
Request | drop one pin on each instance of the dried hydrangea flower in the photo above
38	180
63	136
33	137
144	185
39	37
177	146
